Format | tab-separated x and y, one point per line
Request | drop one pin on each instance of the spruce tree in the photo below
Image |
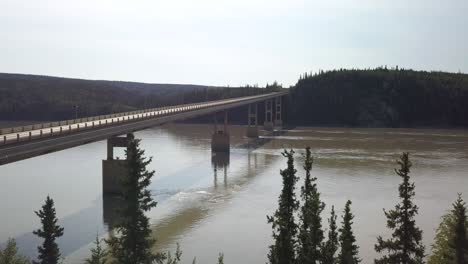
98	253
283	223
310	229
134	242
449	236
405	246
49	251
441	251
221	258
9	255
460	243
169	259
349	249
331	245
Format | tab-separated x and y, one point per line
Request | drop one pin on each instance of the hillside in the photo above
33	97
381	98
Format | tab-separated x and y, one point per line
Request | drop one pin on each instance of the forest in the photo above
380	97
45	98
377	97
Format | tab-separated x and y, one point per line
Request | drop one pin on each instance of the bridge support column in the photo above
252	128
268	123
113	170
278	112
220	141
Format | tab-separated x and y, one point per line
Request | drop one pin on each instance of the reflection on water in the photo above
213	203
110	205
220	162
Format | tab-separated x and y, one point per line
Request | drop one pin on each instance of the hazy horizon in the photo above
231	43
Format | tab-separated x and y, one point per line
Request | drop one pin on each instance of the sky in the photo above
228	42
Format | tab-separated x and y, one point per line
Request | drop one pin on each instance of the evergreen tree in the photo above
449	234
460	243
331	246
405	246
441	251
168	259
310	229
134	243
98	254
283	224
221	258
9	255
349	249
49	251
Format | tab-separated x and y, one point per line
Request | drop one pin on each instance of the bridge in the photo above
19	143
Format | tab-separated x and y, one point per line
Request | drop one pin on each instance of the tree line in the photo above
380	97
303	241
297	231
33	97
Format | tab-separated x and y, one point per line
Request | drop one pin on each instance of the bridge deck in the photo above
35	141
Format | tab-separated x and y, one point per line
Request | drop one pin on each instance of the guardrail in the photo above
57	128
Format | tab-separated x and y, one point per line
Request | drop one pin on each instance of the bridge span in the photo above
29	141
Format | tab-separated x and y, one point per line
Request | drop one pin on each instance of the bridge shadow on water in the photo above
171	228
82	226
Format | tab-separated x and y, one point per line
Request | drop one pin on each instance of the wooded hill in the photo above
368	98
380	98
33	97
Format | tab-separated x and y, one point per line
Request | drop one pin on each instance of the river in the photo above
219	204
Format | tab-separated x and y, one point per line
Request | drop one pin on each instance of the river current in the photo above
210	204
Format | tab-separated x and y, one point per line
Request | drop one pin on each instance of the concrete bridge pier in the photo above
278	112
252	128
220	141
114	169
268	123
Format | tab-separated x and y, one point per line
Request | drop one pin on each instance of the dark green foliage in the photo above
32	97
380	97
9	255
331	245
405	246
221	258
310	228
283	224
349	249
49	251
134	242
98	253
460	241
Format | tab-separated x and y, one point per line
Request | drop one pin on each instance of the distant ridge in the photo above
39	97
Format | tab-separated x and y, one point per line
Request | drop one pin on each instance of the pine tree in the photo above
134	243
349	249
98	254
310	229
405	246
460	243
49	251
9	255
283	224
331	246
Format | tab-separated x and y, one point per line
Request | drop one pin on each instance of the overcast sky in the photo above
236	42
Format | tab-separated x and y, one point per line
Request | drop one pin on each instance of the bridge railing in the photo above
57	128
